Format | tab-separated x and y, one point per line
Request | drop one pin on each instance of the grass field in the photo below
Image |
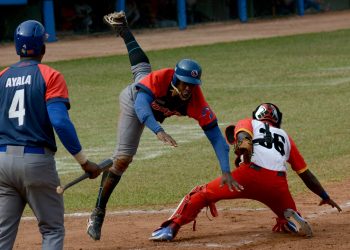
307	76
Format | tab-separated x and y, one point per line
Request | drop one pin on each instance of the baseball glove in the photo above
244	147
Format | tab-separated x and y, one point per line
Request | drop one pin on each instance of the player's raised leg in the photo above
140	65
129	127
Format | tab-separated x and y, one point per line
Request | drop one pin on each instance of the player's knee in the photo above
192	204
120	164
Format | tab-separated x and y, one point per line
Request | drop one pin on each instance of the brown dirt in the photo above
103	45
234	228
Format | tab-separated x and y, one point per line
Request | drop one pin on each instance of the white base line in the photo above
128	212
168	211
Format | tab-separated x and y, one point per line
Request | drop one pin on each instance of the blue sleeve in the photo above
220	147
63	126
144	112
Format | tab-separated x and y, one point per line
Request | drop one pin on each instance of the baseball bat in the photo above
104	165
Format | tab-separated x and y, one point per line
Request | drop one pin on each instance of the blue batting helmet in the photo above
188	71
29	38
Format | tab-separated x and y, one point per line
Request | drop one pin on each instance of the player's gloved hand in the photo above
166	139
331	203
231	183
92	168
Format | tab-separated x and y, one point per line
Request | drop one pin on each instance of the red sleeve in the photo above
244	125
157	82
199	109
56	86
296	160
3	71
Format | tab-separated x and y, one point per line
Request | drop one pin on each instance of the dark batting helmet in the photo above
30	38
188	71
268	112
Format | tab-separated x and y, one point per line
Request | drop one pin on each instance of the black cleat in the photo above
95	223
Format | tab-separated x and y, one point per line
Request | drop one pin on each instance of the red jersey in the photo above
158	85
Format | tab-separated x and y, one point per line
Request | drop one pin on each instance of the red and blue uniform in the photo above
25	89
155	102
158	85
33	100
33	103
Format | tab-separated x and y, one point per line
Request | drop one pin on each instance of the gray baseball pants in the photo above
129	127
28	178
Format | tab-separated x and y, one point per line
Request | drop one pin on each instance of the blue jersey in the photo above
25	89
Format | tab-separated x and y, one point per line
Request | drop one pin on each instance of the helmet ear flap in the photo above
174	79
254	112
43	49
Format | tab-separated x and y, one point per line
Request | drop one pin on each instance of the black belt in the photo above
27	149
258	168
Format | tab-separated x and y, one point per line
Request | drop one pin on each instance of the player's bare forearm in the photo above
311	182
315	186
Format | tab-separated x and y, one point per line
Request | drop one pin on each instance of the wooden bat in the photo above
104	165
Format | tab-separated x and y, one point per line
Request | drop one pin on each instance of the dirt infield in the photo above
236	227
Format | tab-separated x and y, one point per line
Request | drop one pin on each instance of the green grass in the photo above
307	76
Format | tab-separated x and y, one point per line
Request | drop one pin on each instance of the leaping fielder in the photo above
262	150
153	97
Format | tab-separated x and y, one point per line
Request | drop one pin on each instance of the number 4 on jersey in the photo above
17	107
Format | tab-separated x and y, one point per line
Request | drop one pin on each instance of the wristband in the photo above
80	157
324	195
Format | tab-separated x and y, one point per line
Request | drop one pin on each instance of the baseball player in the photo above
33	101
154	96
262	150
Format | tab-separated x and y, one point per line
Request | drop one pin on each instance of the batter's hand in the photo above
92	168
227	179
166	139
331	203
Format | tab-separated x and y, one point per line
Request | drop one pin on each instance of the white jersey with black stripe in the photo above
270	155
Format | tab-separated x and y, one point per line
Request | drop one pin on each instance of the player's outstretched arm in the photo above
222	153
144	113
315	186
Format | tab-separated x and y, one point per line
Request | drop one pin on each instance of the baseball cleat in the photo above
304	226
116	20
163	234
95	223
291	227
